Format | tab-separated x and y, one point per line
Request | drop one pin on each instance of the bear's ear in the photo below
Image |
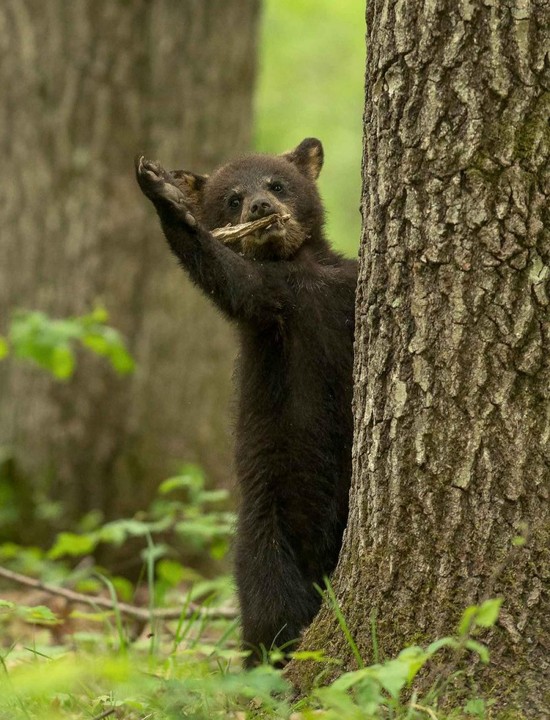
190	184
308	157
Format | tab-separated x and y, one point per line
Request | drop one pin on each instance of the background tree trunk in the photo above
85	85
452	369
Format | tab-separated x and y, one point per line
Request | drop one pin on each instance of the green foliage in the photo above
311	83
198	675
477	708
31	561
51	343
191	667
36	615
85	686
484	615
376	691
184	512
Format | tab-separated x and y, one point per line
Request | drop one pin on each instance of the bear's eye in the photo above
277	187
234	201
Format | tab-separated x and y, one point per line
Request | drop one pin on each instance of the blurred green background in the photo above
311	77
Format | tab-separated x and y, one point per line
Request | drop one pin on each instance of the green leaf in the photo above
96	343
370	700
62	362
475	707
488	612
124	588
170	571
219	548
99	315
117	531
89	586
72	545
466	622
49	343
106	341
339	701
171	484
39	615
478	648
349	679
154	552
121	360
189	479
414	658
214	496
443	642
394	675
4	347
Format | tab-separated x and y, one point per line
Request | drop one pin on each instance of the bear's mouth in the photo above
279	239
274	232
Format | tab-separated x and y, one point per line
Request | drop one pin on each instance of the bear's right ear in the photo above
190	184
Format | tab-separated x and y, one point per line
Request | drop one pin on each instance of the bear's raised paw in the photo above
157	184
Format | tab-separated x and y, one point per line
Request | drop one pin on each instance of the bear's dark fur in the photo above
292	299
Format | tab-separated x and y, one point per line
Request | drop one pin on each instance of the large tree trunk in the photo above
85	85
452	369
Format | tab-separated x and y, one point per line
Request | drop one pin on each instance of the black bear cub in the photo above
292	299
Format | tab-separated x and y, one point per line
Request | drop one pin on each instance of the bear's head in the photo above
254	186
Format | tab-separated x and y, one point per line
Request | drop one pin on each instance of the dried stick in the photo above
132	611
427	710
231	233
105	714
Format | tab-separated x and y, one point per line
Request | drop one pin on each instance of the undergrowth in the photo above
67	659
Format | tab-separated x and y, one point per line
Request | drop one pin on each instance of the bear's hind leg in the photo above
276	601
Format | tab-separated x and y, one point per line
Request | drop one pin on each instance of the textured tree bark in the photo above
452	369
86	85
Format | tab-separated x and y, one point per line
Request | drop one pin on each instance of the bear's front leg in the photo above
157	184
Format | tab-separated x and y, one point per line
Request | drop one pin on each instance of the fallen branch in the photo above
231	233
132	611
105	714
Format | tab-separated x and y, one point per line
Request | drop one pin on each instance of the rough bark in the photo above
85	85
452	368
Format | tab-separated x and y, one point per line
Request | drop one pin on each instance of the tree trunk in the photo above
452	368
85	85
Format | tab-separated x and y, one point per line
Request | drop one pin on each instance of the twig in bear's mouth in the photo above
231	233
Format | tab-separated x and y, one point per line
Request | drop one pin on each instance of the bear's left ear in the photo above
190	184
308	157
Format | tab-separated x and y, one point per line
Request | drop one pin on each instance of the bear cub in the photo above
292	299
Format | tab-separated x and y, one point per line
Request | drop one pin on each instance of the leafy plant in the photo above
51	343
35	614
184	512
191	666
376	691
198	676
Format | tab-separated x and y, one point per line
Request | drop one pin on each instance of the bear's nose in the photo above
260	207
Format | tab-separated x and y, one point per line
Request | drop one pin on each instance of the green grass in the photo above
194	672
77	661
